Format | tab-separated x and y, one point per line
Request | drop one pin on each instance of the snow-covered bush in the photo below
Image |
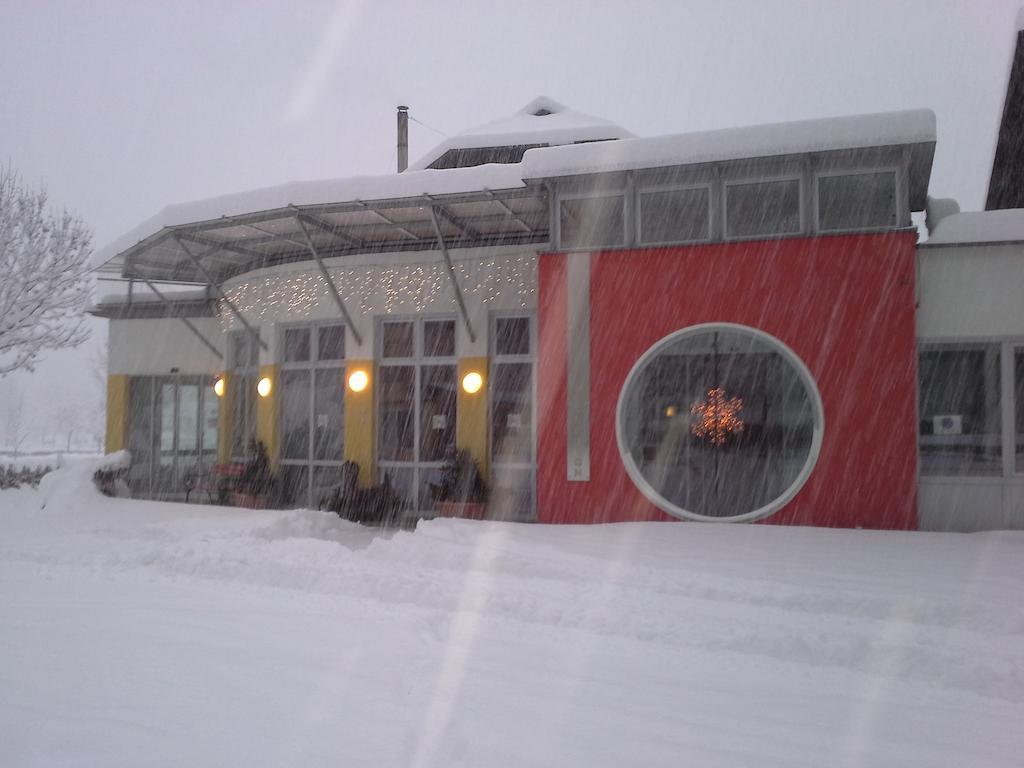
21	477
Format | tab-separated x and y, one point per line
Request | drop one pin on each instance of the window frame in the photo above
813	395
745	180
818	174
622	191
641	190
312	365
417	361
1008	346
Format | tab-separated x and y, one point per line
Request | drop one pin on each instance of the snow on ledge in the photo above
1006	226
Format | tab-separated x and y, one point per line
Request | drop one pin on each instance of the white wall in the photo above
970	291
155	346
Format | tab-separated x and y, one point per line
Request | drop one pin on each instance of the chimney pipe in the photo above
403	138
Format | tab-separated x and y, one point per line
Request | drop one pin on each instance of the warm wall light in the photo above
472	382
263	386
358	380
218	387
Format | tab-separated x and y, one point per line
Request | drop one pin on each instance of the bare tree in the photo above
15	427
69	420
44	275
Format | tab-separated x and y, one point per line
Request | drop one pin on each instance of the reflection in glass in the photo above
437	411
959	409
329	424
396	403
511	412
296	345
295	414
675	216
762	208
397	339
331	342
512	336
718	423
592	221
439	338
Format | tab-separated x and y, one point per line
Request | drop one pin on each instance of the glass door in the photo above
513	427
416	406
172	434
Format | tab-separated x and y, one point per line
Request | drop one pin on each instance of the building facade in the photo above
719	326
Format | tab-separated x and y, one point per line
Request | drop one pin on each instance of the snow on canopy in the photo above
1003	226
542	121
820	135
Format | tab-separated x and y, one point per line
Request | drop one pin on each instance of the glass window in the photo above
211	412
329	418
397	339
242	389
857	201
188	417
167	417
244	350
719	422
592	221
675	216
397	403
437	411
1018	395
512	336
439	338
959	408
295	414
296	345
511	412
294	484
330	342
762	208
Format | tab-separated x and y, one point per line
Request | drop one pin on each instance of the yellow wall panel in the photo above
117	413
268	422
471	413
359	422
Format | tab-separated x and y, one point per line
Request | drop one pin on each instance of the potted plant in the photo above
256	481
462	491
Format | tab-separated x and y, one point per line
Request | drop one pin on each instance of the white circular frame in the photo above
776	504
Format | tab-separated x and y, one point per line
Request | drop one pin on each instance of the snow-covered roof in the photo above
377	212
772	140
303	193
542	121
1006	226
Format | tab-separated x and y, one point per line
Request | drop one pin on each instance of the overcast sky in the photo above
124	107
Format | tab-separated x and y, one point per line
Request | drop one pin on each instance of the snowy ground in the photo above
153	634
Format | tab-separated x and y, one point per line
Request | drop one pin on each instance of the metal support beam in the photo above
220	292
443	213
188	323
330	284
451	275
512	214
412	235
323	226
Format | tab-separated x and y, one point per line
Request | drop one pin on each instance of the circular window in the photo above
719	422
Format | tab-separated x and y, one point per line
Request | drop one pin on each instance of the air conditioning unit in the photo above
948	424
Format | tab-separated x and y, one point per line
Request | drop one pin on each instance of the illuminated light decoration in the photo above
717	416
358	380
472	382
263	387
417	287
218	387
671	411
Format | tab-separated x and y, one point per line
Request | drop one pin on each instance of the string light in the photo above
380	288
717	416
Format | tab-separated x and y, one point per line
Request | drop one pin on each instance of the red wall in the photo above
843	304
